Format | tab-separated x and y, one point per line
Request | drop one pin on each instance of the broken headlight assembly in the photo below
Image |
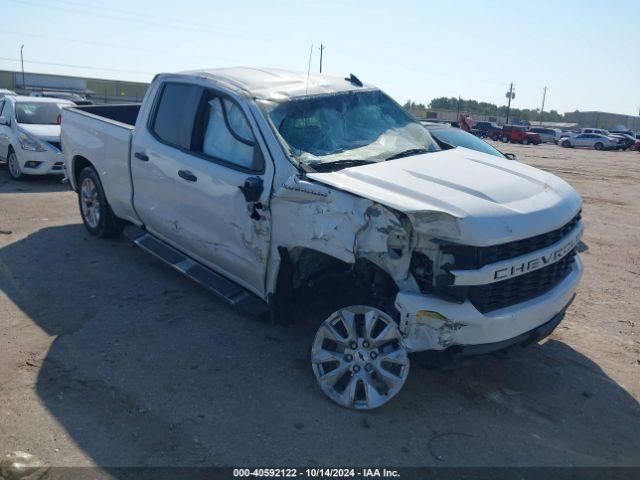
421	268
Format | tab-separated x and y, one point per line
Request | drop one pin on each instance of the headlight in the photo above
436	225
30	143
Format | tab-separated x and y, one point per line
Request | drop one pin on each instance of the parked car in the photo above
448	137
72	97
4	92
485	127
599	131
637	145
623	132
519	134
547	135
275	189
30	135
590	140
624	141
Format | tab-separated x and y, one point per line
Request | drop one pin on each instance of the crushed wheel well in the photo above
307	276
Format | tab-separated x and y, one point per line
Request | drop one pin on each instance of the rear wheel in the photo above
525	141
494	137
96	213
505	139
358	357
598	146
14	166
565	144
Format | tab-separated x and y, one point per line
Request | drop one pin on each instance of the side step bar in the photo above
215	283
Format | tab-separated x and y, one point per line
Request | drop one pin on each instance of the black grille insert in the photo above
56	145
519	289
467	257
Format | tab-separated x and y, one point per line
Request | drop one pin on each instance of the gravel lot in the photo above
108	357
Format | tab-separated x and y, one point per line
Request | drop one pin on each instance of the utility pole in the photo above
544	95
510	95
22	62
322	47
458	114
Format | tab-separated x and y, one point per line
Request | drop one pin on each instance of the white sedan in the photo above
30	135
589	140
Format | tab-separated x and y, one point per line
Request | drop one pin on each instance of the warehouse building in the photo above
609	121
95	89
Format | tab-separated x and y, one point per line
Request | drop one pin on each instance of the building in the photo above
95	89
609	121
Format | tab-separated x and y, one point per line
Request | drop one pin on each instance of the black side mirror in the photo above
510	156
252	189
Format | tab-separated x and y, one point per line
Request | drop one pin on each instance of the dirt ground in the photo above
109	358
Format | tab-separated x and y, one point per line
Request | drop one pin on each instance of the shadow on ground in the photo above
148	369
31	184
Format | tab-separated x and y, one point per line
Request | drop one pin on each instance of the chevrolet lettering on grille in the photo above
521	265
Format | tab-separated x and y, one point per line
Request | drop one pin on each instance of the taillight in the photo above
59	119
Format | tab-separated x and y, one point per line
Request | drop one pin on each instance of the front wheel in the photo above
525	141
14	166
598	146
505	139
565	144
96	213
358	357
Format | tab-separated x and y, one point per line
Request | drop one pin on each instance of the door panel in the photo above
193	201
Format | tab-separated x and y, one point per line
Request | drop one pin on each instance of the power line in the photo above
78	66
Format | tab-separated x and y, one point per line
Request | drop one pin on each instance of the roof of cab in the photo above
275	84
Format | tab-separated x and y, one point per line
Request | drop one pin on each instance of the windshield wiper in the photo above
337	165
408	153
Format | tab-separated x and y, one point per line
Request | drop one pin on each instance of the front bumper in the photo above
428	322
49	162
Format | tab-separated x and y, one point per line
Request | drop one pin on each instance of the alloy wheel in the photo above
358	357
14	166
90	202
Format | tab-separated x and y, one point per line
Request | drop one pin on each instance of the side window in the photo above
175	113
222	132
2	104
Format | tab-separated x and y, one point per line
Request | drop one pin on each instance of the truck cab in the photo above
319	199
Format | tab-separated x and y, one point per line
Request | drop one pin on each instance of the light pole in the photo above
22	63
544	96
510	95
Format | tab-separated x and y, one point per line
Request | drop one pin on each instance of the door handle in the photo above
187	175
141	156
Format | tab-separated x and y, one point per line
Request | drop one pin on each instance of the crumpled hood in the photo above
494	200
48	133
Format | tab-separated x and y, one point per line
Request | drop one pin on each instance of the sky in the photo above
587	53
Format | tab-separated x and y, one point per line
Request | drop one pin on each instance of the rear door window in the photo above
175	114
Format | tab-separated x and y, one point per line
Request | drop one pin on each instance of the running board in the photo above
215	283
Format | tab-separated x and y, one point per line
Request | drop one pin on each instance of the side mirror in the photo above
4	121
510	156
252	189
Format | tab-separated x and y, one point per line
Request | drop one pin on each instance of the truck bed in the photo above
101	135
122	114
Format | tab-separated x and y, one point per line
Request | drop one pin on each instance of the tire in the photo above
565	144
536	142
505	139
494	137
96	213
525	141
598	146
358	357
14	166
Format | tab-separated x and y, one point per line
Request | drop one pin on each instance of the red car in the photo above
637	145
518	134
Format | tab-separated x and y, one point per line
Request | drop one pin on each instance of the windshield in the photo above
459	138
356	126
38	113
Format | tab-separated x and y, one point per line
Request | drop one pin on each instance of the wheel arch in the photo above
308	275
78	163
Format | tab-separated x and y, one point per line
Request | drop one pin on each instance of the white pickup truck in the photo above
276	189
